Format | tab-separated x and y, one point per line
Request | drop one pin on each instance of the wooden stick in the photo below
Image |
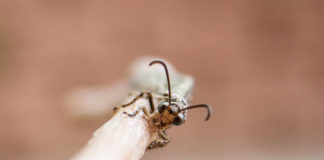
122	137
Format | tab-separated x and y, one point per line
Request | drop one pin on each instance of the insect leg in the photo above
158	143
137	111
149	96
130	103
134	113
161	142
163	135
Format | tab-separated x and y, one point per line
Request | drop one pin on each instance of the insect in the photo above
173	105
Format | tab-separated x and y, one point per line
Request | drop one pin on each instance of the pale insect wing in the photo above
183	85
145	78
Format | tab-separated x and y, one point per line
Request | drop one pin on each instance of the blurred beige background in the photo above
258	63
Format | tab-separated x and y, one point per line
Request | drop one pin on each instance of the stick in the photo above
122	137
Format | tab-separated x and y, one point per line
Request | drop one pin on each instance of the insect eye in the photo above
163	106
178	120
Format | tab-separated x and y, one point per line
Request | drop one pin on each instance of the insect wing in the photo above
153	78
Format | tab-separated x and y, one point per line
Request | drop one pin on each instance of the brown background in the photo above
258	63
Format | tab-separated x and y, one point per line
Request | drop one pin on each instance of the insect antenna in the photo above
198	106
167	75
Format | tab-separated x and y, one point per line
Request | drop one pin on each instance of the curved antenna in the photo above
167	74
209	110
